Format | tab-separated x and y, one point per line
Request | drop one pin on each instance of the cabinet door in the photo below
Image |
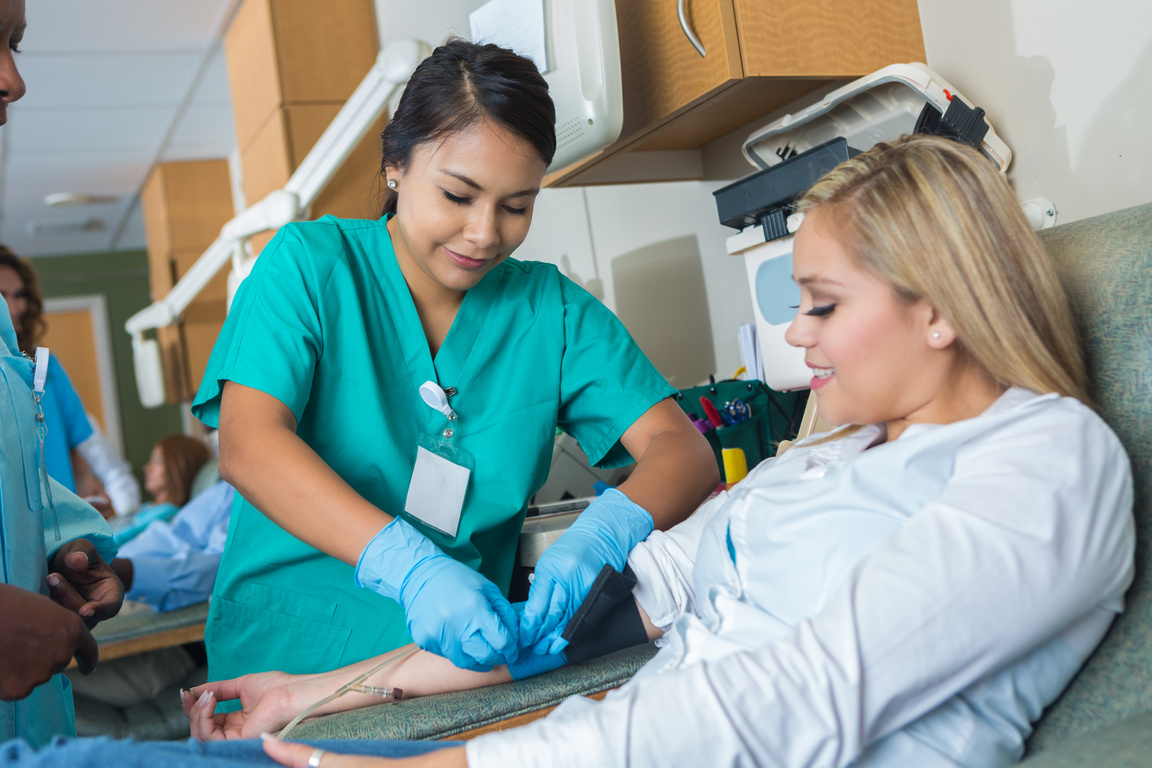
826	38
662	73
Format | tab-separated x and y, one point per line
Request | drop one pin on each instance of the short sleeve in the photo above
272	337
74	421
606	382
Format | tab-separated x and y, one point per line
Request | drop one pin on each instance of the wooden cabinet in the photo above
185	204
292	68
760	56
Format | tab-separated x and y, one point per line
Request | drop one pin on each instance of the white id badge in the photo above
436	493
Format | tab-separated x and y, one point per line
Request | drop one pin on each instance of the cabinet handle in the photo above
680	11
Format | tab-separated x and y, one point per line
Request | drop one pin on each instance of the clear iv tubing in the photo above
352	686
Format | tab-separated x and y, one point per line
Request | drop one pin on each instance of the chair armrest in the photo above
1127	744
449	714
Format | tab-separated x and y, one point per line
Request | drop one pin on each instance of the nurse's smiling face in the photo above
463	205
874	358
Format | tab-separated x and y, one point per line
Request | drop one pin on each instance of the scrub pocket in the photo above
266	628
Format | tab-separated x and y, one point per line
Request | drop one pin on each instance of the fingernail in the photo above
205	698
54	581
86	611
265	736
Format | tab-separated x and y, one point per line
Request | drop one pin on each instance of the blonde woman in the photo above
909	590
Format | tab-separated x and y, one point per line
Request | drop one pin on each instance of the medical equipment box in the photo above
795	150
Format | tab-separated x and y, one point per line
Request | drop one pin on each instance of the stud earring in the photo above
391	183
935	334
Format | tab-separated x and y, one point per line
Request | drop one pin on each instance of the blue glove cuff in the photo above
391	555
528	664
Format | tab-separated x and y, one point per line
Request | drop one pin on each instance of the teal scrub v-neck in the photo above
326	324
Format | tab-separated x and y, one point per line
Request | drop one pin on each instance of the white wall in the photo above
1065	83
655	254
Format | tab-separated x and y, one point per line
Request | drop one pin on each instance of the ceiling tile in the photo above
107	80
132	237
73	26
16	237
204	131
71	130
97	172
213	87
28	208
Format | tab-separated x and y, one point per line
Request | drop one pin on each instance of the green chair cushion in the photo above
1106	265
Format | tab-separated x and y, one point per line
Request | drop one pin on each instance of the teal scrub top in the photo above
325	324
31	531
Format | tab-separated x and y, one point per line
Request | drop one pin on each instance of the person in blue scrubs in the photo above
63	412
366	518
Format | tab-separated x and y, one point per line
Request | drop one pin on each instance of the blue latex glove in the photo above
451	610
604	533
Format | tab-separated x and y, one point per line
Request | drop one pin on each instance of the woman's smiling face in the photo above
464	204
872	355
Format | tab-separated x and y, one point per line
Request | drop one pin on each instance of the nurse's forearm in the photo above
264	459
675	467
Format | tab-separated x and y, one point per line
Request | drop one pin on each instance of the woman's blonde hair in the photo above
936	220
183	457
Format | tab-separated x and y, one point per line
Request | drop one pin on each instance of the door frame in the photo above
97	307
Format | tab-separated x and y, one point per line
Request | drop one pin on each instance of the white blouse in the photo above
916	603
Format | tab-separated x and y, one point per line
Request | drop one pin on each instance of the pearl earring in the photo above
935	334
391	183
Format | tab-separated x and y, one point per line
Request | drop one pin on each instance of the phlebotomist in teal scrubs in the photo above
367	516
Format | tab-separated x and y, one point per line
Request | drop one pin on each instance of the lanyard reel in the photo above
39	378
440	476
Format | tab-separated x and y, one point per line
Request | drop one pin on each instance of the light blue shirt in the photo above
68	424
174	563
31	530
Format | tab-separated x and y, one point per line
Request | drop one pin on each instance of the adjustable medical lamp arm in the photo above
394	65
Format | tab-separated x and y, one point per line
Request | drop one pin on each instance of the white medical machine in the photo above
797	149
583	73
